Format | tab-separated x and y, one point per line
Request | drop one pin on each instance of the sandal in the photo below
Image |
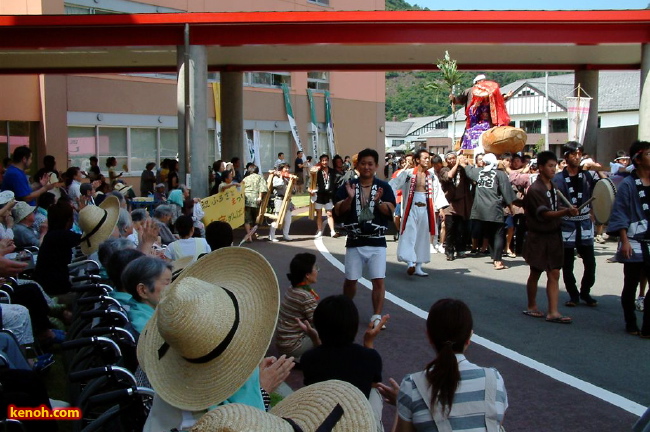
533	313
560	320
501	267
511	255
572	303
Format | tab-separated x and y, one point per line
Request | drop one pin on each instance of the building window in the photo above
15	134
320	2
139	145
86	7
267	79
559	125
112	142
272	143
397	143
143	148
318	80
532	126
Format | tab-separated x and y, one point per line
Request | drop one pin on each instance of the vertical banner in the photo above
256	150
313	124
578	112
290	116
330	124
216	91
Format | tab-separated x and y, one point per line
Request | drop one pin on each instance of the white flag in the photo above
578	112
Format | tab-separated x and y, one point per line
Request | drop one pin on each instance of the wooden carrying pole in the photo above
313	185
264	204
279	217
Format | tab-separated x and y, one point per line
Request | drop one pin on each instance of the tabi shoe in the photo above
419	272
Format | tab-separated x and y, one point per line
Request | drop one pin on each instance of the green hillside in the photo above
405	92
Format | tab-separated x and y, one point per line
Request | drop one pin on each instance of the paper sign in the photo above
227	206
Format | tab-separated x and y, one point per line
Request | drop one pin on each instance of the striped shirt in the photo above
297	303
471	389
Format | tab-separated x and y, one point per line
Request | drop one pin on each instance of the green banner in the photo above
292	119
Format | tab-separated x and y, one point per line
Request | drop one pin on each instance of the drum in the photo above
503	139
604	194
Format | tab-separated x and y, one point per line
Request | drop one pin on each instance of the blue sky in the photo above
529	5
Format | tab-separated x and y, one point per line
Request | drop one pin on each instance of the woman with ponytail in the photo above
451	393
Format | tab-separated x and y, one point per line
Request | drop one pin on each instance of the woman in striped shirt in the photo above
297	306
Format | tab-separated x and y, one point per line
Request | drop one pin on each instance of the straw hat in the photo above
97	223
179	265
121	188
308	408
211	328
21	210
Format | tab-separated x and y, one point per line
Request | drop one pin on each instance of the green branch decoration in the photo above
450	78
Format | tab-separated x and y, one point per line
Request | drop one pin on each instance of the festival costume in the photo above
492	191
365	224
484	108
458	194
578	231
543	248
419	214
631	212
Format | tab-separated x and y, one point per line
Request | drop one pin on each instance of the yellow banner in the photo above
227	206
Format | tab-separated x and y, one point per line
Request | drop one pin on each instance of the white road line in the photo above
600	393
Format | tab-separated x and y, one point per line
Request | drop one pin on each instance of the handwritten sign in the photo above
227	206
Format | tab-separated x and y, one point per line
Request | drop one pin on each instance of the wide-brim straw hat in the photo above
332	402
179	265
211	328
97	223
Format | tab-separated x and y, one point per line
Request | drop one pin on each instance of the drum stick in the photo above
563	198
586	203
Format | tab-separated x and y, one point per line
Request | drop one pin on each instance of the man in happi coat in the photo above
422	197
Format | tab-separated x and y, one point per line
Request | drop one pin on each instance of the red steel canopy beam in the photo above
336	27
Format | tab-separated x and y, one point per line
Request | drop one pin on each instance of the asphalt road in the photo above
586	376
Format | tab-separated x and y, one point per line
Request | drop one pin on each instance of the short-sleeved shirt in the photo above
194	247
353	363
367	233
16	181
412	408
296	166
298	302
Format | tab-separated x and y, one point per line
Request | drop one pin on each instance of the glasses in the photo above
316	268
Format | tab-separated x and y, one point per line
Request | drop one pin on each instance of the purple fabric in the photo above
479	122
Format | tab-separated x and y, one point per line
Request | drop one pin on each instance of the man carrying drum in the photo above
629	220
576	183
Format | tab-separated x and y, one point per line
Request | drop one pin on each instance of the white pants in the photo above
413	246
287	222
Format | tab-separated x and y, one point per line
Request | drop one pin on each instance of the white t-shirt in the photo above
194	246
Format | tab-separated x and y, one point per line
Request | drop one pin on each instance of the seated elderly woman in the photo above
163	215
298	304
117	262
145	279
24	235
125	225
